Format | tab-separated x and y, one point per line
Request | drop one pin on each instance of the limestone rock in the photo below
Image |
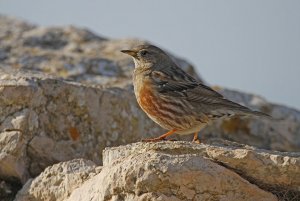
61	120
179	170
174	171
281	132
13	156
58	181
183	171
68	52
268	169
276	171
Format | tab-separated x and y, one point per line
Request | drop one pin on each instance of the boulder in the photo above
69	52
280	132
58	181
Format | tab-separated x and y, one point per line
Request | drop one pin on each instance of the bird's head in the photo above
148	56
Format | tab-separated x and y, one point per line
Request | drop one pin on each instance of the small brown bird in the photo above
174	99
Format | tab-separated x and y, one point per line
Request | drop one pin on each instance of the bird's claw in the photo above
196	140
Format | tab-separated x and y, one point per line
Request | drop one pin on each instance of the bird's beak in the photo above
130	52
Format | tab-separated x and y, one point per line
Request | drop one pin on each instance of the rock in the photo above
187	171
11	31
267	169
172	171
281	132
58	181
13	156
68	52
55	128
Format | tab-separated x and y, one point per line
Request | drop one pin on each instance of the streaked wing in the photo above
197	94
187	88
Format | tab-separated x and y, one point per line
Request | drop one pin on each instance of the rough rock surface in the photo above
176	171
46	120
58	181
68	52
66	93
281	133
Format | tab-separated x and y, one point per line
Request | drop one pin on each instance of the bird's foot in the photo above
160	138
197	141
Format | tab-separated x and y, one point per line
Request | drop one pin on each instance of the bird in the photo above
174	99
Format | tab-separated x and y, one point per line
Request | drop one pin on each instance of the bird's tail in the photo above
259	114
243	110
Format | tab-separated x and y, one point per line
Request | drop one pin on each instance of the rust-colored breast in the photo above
148	100
157	108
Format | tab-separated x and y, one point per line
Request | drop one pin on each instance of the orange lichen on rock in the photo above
74	134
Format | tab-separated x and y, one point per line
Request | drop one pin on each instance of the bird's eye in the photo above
144	52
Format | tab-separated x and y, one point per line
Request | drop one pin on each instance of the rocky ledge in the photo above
172	171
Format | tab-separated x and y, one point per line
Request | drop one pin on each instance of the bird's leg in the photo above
160	138
196	139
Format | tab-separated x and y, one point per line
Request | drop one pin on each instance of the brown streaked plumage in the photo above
173	98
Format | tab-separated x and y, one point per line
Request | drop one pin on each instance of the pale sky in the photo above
252	46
